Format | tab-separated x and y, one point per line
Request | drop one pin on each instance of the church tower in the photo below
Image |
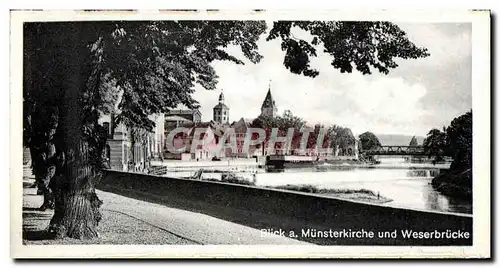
221	111
268	108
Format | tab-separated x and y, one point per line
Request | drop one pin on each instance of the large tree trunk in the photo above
76	204
76	212
77	143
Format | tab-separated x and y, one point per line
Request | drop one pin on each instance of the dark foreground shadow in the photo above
37	235
252	219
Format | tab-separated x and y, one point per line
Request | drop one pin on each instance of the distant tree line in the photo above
369	141
453	141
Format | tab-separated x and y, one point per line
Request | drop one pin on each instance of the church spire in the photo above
221	110
268	107
221	96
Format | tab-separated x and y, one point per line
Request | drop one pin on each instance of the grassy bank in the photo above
357	195
455	184
346	162
231	178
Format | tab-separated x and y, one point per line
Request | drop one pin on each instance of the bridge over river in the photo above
397	150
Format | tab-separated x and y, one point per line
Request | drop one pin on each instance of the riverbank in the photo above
407	184
269	208
351	194
455	184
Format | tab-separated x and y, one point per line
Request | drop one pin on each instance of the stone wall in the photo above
265	208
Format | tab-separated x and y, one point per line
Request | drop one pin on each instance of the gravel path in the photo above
197	227
130	221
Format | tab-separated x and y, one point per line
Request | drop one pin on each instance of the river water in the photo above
408	185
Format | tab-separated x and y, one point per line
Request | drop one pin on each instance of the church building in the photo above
221	111
268	108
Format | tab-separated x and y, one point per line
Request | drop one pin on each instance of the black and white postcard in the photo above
250	134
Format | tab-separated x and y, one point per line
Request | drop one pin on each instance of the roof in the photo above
182	111
176	118
246	121
221	106
190	124
268	101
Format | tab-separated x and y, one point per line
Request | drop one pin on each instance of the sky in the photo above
417	96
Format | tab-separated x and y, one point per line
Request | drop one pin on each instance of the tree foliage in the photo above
282	124
368	141
73	72
353	45
156	64
457	181
341	137
454	141
436	144
334	136
460	135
